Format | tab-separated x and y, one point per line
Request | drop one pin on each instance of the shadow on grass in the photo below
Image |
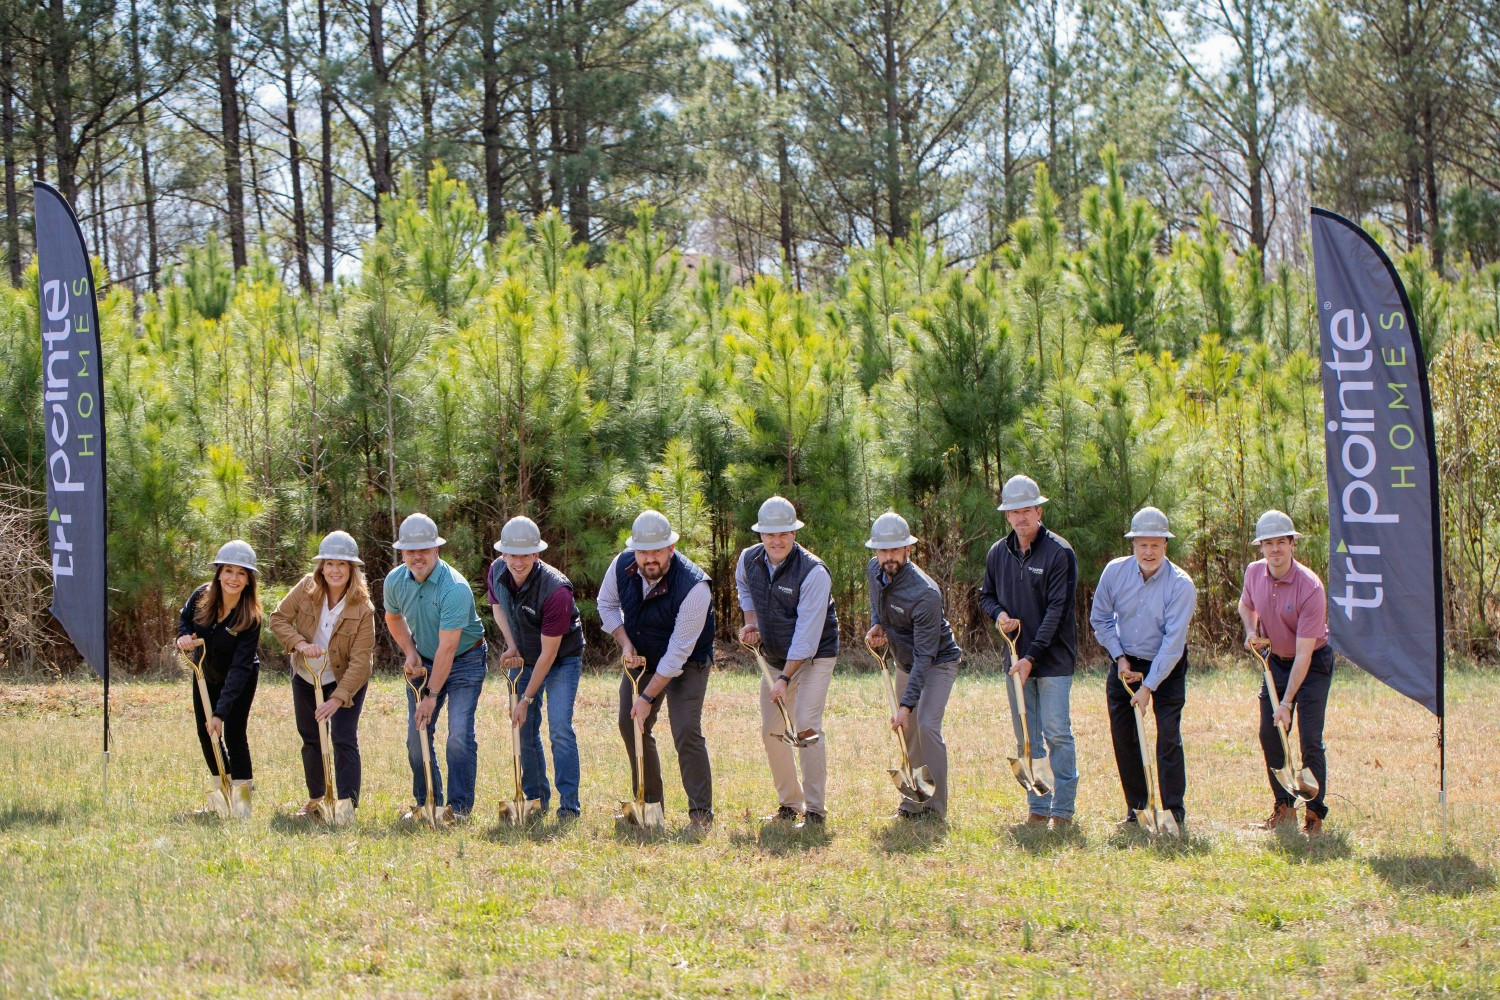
910	836
1039	840
16	816
629	833
1452	874
1293	845
1189	844
535	832
779	839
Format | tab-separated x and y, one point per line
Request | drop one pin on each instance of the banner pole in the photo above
1443	776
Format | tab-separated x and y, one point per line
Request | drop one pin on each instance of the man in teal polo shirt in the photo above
429	608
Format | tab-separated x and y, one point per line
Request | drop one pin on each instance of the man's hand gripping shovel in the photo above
1034	773
519	809
788	734
225	798
331	809
637	811
1153	819
915	784
1298	781
426	812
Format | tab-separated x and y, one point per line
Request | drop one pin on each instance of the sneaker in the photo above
1283	813
310	809
810	820
1312	824
783	814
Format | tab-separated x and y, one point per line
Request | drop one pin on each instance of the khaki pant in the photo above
924	733
806	696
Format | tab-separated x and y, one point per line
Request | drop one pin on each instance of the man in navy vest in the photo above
534	607
658	606
785	592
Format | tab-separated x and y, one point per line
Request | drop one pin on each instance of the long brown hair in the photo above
356	594
247	613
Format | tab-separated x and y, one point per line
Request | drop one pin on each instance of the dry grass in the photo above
139	899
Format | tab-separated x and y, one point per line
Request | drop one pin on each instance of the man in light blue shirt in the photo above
430	611
1140	615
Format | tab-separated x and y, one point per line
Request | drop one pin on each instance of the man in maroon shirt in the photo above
533	605
1283	605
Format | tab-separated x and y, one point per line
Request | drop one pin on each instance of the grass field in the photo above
138	898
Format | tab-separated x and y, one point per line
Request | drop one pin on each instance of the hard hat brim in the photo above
248	567
520	550
1018	504
772	529
874	544
355	560
1149	534
436	543
637	545
1276	534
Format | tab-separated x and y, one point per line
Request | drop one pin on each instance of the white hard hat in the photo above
418	531
236	553
776	514
890	531
1020	491
1149	522
651	531
339	545
520	537
1274	524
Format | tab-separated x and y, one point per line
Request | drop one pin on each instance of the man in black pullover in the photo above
1030	577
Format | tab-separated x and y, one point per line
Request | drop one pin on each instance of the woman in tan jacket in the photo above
329	612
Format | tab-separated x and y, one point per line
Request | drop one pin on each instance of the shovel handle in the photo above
1148	757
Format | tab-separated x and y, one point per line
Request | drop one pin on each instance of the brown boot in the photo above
1312	824
1036	819
1283	813
1061	822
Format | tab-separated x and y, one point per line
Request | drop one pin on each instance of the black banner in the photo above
1385	584
73	418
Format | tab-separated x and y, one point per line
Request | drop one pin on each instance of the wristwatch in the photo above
427	692
649	700
526	699
783	677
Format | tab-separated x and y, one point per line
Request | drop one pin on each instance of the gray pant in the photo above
806	696
924	734
684	699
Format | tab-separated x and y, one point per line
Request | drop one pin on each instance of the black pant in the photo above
684	699
1308	708
235	745
343	727
1166	704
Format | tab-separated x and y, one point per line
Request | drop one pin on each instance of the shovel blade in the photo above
518	812
914	783
239	801
1020	768
802	740
648	815
1166	823
343	812
1283	776
1146	819
1041	775
217	803
1307	786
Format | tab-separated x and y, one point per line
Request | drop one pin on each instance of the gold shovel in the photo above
1154	819
1034	773
519	809
331	809
637	811
225	798
426	812
788	734
1298	782
915	784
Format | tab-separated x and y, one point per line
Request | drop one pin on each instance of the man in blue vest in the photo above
533	605
785	592
658	606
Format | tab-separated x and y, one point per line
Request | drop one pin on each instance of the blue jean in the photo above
559	689
461	693
1049	718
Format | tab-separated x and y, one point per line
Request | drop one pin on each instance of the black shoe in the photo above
783	814
811	819
701	821
567	815
903	814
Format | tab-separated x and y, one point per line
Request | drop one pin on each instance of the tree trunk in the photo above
229	127
426	98
783	164
580	212
148	184
8	141
895	200
294	155
489	125
380	111
59	56
325	127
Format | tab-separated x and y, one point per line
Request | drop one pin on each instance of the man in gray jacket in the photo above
906	610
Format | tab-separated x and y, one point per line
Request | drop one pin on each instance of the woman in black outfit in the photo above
225	614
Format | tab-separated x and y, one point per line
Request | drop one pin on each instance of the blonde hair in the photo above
247	612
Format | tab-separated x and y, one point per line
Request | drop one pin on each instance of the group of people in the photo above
658	607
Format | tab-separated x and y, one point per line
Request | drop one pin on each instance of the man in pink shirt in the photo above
1283	605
